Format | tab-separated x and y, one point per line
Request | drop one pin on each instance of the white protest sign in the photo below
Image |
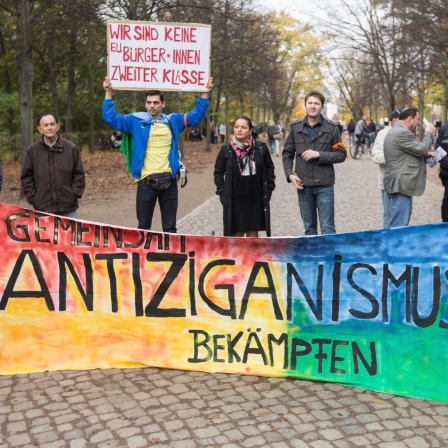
158	55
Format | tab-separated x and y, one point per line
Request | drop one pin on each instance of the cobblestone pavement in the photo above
149	407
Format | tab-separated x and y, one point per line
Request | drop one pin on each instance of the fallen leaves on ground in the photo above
106	172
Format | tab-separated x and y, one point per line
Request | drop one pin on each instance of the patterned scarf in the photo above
244	153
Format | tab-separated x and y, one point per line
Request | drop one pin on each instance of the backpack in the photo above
351	127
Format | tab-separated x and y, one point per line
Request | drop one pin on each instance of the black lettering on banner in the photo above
252	289
371	368
192	283
231	343
334	358
118	236
296	342
442	323
257	350
373	301
404	277
336	286
178	262
9	289
136	277
59	222
231	311
283	339
217	347
197	344
80	230
316	307
320	356
138	243
425	322
97	235
112	277
167	241
183	240
24	228
211	347
38	228
87	294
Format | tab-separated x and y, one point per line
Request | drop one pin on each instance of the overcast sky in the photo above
304	10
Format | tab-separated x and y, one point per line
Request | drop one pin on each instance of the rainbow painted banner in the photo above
366	309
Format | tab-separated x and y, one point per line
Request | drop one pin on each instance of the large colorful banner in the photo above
158	55
366	309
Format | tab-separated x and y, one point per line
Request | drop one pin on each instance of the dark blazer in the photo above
405	170
223	181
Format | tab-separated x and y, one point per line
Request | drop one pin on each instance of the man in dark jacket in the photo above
442	140
53	177
316	145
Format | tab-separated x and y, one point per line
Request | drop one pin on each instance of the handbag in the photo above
277	136
160	181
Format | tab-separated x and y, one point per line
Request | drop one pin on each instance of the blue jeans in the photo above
386	209
71	214
368	136
313	201
272	145
400	209
146	201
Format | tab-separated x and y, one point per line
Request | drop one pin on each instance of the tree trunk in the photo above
181	142
208	115
25	63
51	63
91	102
71	81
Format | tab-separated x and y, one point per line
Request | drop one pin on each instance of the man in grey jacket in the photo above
405	170
377	156
315	145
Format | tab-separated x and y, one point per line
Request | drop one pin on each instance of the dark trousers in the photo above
146	201
444	180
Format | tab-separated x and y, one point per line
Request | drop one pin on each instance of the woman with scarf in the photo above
244	178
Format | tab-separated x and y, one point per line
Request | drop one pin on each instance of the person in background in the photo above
271	132
244	178
279	138
377	156
442	140
372	129
405	170
340	127
315	145
222	132
361	132
155	157
1	176
351	132
53	178
213	132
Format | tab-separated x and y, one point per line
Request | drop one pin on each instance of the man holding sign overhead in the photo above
155	157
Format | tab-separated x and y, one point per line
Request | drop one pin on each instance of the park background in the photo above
367	56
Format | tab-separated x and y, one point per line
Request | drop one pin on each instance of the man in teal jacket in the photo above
155	155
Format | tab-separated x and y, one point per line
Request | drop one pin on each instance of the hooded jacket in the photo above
139	126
